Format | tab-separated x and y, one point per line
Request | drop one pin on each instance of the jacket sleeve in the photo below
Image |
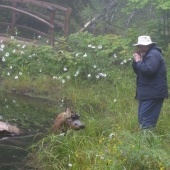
134	66
150	65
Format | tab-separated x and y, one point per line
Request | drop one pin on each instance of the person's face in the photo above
142	48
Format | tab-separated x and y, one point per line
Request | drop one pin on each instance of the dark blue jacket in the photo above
151	75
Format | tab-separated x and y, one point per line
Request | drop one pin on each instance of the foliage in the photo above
104	101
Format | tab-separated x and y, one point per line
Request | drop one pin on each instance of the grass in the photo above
112	139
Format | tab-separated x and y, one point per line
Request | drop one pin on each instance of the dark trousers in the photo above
148	112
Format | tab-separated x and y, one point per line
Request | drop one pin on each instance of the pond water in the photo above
33	116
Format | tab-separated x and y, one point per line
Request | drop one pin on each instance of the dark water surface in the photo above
33	116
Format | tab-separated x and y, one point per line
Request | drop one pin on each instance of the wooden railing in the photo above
51	21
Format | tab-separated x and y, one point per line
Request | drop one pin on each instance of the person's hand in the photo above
137	57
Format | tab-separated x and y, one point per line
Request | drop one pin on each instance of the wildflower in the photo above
14	51
39	36
7	54
16	77
85	55
70	165
93	47
114	55
77	55
12	37
68	77
2	45
47	41
97	76
102	74
54	77
121	63
40	70
8	73
111	135
76	74
89	45
3	59
22	52
14	101
16	33
94	66
30	56
89	75
18	45
124	61
65	68
63	81
61	134
33	55
23	46
99	47
20	73
114	100
10	67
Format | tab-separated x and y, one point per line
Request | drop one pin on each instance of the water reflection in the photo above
33	116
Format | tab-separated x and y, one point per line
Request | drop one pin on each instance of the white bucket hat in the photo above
144	40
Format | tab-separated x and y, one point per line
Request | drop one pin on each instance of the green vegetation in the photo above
95	74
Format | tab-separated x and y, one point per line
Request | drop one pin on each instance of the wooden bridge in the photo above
52	15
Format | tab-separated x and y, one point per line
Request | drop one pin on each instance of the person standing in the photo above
150	68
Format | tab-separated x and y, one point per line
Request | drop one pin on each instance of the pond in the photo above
34	116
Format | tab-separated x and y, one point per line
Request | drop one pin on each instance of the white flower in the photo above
102	75
30	56
89	45
97	76
39	36
121	63
20	73
77	55
12	37
47	41
114	100
65	68
62	134
14	51
3	59
22	52
18	45
14	101
93	47
89	75
70	165
10	67
8	73
16	77
63	81
85	55
111	135
94	66
76	74
124	61
16	33
40	70
68	77
7	54
115	56
1	49
2	45
99	47
23	46
54	77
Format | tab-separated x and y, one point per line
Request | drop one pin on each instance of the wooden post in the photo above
13	22
51	38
